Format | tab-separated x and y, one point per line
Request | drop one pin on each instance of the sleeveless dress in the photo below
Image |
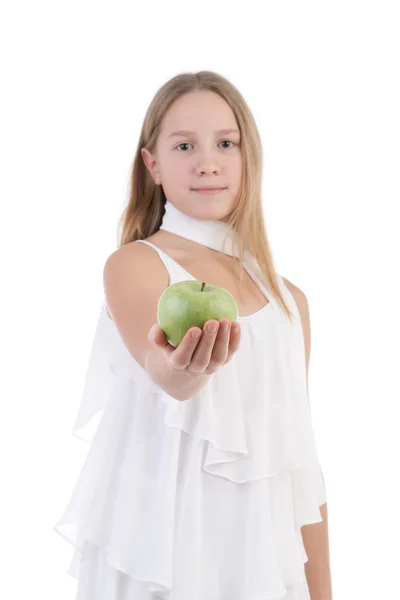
200	499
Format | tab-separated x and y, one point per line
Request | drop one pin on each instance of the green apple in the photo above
192	303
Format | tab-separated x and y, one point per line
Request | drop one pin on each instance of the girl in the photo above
203	466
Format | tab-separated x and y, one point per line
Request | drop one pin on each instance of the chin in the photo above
208	210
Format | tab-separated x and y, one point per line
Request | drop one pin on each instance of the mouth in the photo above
209	190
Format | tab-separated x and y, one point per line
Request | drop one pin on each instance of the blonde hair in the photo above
144	210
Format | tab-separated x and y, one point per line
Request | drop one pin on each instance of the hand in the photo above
201	356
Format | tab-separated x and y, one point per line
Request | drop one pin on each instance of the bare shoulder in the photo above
302	304
134	278
298	294
133	264
134	253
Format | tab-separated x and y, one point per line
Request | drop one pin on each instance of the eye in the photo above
223	141
229	142
183	144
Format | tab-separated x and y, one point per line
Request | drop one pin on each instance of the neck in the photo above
213	234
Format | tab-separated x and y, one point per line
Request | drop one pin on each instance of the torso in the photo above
213	267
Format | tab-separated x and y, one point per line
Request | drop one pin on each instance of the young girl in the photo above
203	467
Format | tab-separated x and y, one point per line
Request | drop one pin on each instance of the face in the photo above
201	157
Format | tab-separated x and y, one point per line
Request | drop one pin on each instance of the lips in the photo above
201	189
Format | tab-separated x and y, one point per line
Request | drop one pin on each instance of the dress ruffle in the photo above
109	361
174	496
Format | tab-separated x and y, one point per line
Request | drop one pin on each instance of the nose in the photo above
207	167
207	162
206	171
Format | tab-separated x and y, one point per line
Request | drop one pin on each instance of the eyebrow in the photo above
187	132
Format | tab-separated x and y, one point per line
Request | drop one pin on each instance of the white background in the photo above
322	80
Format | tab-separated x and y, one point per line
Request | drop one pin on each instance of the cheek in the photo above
236	165
171	168
175	175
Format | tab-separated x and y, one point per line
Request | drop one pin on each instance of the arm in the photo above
181	386
315	536
134	279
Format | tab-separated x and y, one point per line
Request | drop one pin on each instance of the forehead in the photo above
199	112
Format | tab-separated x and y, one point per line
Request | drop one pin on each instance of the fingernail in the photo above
212	328
195	334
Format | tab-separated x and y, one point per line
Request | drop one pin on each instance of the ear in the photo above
150	162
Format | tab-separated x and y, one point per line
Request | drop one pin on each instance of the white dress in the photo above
200	499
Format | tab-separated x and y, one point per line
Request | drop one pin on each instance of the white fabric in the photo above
206	232
202	499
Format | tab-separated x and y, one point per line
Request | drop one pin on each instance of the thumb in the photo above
157	336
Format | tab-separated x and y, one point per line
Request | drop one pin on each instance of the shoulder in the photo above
133	266
302	305
134	279
135	258
298	295
132	252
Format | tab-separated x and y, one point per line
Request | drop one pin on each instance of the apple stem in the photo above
203	286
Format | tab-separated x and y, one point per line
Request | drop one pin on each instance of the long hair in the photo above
144	210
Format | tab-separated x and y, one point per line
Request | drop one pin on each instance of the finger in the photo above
202	354
234	341
221	345
182	355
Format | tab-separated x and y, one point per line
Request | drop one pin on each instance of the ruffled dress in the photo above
200	499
